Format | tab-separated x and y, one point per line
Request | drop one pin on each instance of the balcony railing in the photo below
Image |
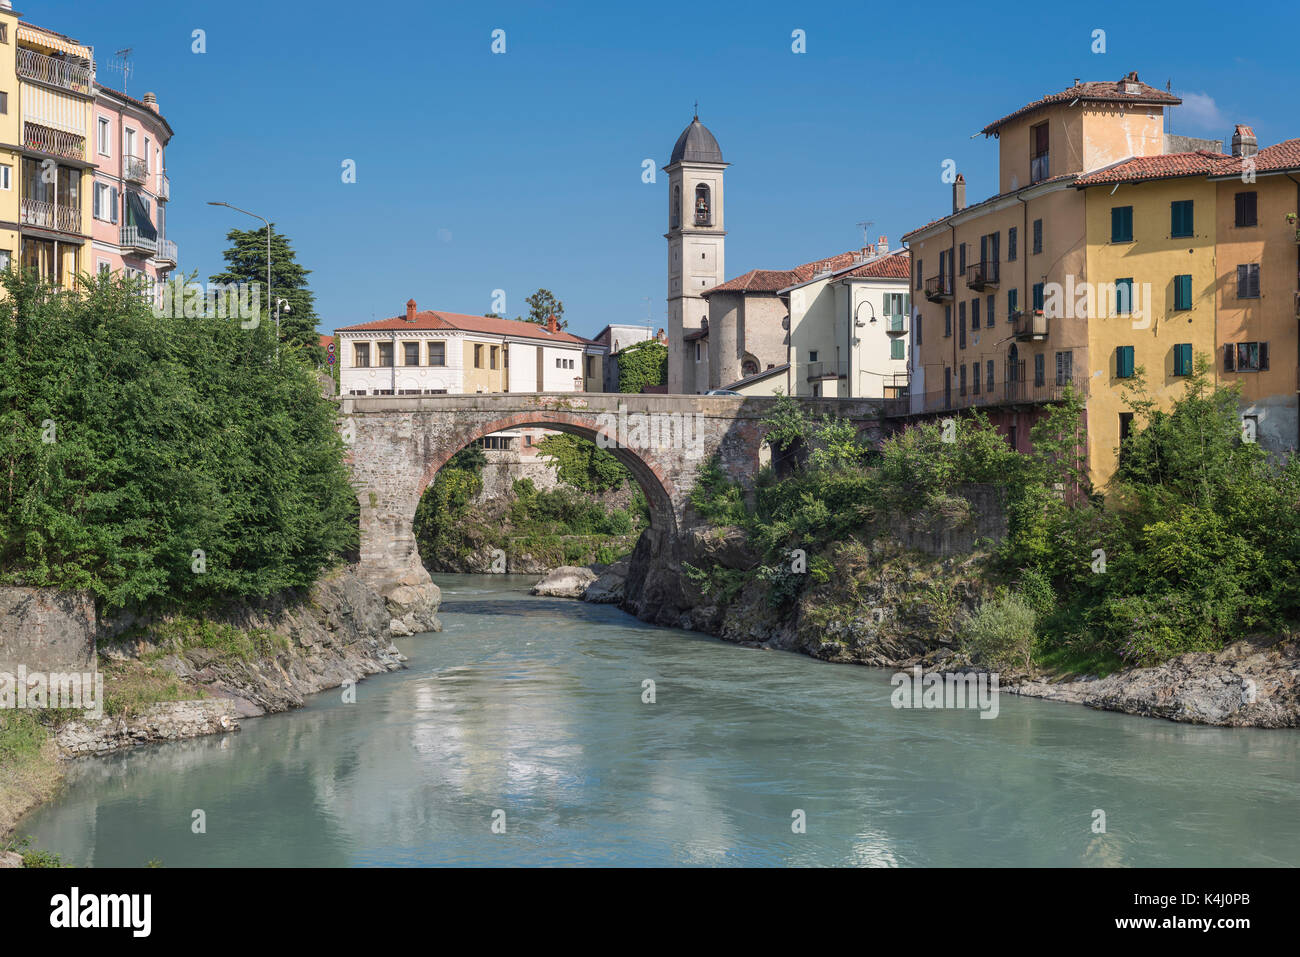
819	371
982	275
133	239
1029	325
56	71
1004	393
36	212
938	288
166	252
164	186
896	323
135	169
46	139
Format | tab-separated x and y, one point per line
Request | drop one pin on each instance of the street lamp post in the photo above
268	264
858	324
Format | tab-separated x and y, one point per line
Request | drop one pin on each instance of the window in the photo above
1013	303
1038	236
385	355
675	214
105	206
437	353
6	176
988	318
1038	296
1040	167
146	154
1123	297
1248	209
104	267
4	102
918	330
961	389
1248	281
1181	218
1182	292
1183	358
1012	235
128	141
1245	357
4	33
1040	373
1121	224
478	357
410	353
103	136
361	355
1123	362
961	250
492	361
989	376
920	264
697	352
896	347
961	325
947	321
812	355
975	379
1125	428
974	313
1064	367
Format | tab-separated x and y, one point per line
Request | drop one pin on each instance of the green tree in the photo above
246	263
581	463
641	364
542	305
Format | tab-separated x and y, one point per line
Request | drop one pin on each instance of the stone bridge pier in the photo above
398	444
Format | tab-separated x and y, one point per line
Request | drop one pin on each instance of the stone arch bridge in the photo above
398	444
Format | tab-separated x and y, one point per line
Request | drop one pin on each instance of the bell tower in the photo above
696	260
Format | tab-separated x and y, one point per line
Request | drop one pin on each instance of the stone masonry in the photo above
399	443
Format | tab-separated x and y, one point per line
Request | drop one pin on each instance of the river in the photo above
528	713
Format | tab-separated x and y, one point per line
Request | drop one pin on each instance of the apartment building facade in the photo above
130	188
1105	255
437	353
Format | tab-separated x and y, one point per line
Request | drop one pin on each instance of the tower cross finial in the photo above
697	109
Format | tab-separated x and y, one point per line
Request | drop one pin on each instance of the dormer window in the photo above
703	208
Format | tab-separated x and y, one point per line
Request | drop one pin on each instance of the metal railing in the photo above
982	274
938	288
36	212
135	169
46	139
166	251
164	186
1029	324
1005	393
133	239
73	75
896	323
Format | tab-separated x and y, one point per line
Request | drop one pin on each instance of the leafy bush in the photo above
1001	633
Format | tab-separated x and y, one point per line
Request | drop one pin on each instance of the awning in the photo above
52	41
139	215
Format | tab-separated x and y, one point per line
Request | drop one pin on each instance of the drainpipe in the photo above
1297	302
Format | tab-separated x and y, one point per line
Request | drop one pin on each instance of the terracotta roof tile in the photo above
428	319
1163	166
895	265
774	280
1092	91
992	199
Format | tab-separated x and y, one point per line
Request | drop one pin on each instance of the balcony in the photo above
982	275
36	212
896	323
164	187
822	371
1029	325
166	254
135	169
134	240
1014	392
46	139
69	74
938	288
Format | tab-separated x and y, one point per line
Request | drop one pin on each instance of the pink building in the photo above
131	188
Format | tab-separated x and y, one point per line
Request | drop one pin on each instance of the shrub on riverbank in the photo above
160	461
1195	543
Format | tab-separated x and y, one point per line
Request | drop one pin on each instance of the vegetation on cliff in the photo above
1194	544
160	461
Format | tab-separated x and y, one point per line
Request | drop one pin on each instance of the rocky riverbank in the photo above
894	606
247	660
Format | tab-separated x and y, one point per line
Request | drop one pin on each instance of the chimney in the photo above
660	336
151	101
410	310
882	244
1244	142
1129	84
868	251
959	193
552	326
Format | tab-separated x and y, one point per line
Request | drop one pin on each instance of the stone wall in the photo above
46	630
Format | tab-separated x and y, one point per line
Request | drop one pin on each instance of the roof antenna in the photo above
121	63
866	234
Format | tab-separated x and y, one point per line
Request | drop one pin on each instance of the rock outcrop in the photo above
169	721
567	581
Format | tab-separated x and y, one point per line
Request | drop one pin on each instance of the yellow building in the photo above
49	97
1106	252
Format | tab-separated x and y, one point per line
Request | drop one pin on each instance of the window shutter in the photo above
1229	351
112	198
1263	357
887	311
1253	274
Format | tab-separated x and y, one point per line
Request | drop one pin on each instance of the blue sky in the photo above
478	171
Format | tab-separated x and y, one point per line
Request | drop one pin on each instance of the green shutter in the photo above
896	349
1123	362
1183	292
1183	358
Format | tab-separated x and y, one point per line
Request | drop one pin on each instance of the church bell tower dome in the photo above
696	145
